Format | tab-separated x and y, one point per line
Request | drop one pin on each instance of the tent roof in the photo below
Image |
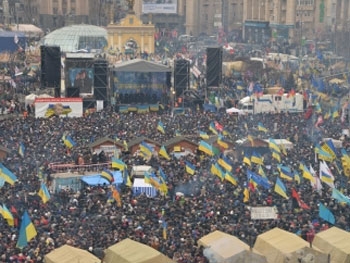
228	248
69	254
129	251
279	245
140	65
334	241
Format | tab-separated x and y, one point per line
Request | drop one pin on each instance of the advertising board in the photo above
60	107
159	6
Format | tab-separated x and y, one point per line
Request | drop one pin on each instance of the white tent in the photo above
335	242
278	245
140	187
234	110
224	248
283	143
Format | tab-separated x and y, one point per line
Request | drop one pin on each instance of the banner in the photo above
263	212
60	107
153	7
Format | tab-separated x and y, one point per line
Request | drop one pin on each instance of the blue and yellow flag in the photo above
231	178
280	188
7	175
146	149
27	231
206	148
246	195
68	142
21	149
7	215
44	193
163	152
212	128
190	168
274	146
118	164
160	127
261	127
221	142
225	163
216	170
286	172
246	159
203	135
256	158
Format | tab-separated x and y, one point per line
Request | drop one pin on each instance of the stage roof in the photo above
140	65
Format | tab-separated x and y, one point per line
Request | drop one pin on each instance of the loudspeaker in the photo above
51	68
100	93
181	76
73	92
214	67
101	73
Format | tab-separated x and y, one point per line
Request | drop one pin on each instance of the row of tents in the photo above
276	245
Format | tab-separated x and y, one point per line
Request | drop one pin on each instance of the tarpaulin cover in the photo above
69	254
97	179
129	251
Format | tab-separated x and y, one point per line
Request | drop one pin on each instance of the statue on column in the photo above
131	5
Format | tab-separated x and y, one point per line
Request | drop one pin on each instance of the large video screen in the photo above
159	6
82	78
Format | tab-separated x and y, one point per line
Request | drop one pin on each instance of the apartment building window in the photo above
55	10
72	11
306	2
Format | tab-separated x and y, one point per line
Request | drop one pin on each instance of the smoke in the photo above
211	256
191	188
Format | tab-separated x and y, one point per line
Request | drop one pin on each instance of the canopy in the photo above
68	254
140	65
29	99
281	246
129	251
139	186
97	179
334	241
225	248
234	110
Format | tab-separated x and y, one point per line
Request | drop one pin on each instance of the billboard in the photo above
159	6
82	78
59	107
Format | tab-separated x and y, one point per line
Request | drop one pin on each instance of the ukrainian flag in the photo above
256	158
118	164
177	133
216	170
44	193
7	175
276	156
306	173
123	109
106	174
154	107
231	178
68	141
162	174
246	160
246	195
143	109
285	172
162	186
160	127
206	148
21	149
190	168
7	215
261	127
222	143
280	188
147	177
146	149
203	135
274	146
212	128
225	163
27	231
163	152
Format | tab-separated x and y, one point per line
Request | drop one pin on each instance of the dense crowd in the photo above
87	220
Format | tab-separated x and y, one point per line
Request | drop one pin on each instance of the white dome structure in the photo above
77	37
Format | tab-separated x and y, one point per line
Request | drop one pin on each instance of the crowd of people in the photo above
87	220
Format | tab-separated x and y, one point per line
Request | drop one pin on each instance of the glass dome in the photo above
77	37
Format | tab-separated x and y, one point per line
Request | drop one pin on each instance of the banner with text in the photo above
159	7
60	107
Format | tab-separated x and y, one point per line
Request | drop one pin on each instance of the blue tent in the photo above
97	179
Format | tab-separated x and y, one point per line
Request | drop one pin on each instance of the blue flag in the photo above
326	214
